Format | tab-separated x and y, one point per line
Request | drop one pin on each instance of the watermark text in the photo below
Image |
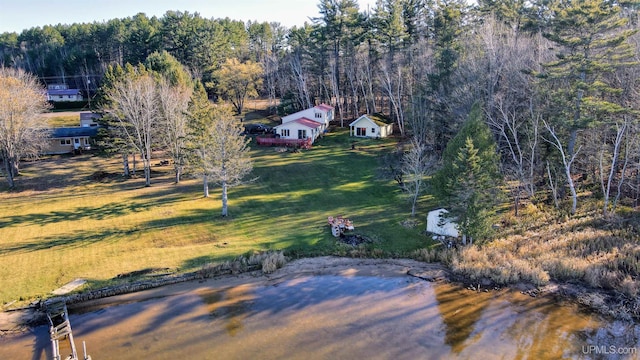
608	350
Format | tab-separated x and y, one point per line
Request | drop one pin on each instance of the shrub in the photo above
600	277
630	287
272	261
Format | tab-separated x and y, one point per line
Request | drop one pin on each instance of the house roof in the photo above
324	107
77	131
89	116
64	92
373	118
303	121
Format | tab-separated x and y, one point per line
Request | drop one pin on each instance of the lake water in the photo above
335	317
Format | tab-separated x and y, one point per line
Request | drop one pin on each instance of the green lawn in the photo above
61	225
62	119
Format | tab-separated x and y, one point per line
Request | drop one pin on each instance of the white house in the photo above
322	114
436	224
301	128
61	93
370	126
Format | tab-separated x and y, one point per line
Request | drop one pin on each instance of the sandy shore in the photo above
17	321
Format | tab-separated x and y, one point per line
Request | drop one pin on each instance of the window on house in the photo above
318	115
284	132
67	141
302	134
62	142
373	130
77	141
361	131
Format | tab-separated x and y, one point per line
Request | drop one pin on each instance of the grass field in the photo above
62	119
61	223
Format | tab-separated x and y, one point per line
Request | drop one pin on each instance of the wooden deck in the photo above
273	141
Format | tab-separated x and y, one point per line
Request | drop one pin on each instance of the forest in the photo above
557	82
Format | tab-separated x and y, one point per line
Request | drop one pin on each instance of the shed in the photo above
373	126
439	225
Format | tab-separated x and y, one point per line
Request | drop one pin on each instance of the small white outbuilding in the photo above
371	126
437	224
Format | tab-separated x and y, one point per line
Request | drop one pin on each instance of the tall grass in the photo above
543	245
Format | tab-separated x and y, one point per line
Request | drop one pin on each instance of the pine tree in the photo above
593	43
467	184
201	118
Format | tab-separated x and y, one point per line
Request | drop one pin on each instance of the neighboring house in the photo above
372	126
61	93
88	119
322	114
300	129
69	139
440	226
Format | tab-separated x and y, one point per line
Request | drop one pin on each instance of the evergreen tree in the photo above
467	184
201	117
448	23
593	44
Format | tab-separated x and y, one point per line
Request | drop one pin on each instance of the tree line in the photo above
555	82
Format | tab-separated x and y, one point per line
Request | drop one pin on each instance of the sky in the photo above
18	15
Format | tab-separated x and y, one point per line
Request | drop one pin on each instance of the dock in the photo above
60	329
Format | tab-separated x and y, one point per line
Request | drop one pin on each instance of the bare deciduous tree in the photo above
416	165
226	160
174	102
391	78
609	156
22	100
567	162
134	103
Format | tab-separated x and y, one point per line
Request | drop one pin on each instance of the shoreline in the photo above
19	321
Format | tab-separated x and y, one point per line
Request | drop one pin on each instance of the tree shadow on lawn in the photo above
59	172
138	203
73	240
81	213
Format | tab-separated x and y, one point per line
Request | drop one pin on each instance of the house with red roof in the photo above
305	124
300	129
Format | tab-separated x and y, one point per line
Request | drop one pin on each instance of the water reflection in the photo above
233	304
460	310
320	317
